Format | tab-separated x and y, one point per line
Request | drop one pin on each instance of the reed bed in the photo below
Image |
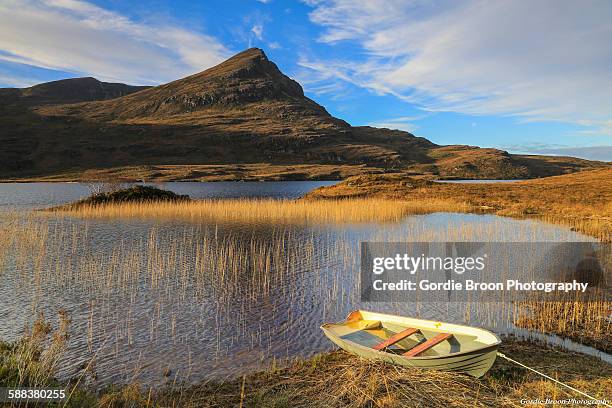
586	321
581	200
170	284
33	360
358	210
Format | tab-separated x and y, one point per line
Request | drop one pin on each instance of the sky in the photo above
527	77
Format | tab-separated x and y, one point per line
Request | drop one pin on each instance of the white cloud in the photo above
545	60
17	81
602	153
77	36
257	30
396	123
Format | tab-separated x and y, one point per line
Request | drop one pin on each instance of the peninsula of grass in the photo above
582	200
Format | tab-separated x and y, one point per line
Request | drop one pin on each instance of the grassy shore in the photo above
338	379
333	379
207	173
266	210
582	200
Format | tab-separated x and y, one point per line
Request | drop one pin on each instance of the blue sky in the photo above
533	79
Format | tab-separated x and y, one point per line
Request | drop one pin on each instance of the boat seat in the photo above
418	349
395	338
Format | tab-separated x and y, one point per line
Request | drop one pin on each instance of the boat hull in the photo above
476	358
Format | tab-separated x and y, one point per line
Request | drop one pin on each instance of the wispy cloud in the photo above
405	123
252	30
257	30
548	61
17	81
80	37
603	153
395	125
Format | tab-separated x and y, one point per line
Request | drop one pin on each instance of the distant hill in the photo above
71	91
244	111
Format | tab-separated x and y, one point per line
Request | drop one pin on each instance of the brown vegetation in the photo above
581	200
266	210
339	379
213	172
585	322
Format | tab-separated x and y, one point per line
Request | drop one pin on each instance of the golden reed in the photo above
273	211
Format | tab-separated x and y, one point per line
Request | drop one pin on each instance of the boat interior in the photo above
407	341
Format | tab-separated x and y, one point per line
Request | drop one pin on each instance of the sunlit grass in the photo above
272	211
582	201
593	220
585	321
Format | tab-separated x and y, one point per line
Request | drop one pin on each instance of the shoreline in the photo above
269	172
337	378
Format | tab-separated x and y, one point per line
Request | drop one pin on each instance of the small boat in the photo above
415	342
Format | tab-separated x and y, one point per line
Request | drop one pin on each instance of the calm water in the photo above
37	195
208	299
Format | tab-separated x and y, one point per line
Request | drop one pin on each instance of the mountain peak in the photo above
247	77
251	63
250	56
253	52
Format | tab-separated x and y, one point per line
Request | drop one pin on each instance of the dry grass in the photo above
273	211
585	322
209	173
32	360
335	379
339	379
582	200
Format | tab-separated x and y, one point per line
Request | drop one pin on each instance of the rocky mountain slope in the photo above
244	111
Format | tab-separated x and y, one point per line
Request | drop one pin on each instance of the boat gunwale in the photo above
456	354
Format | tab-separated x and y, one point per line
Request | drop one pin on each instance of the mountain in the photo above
71	91
240	119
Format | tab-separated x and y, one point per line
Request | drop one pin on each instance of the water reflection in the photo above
38	195
206	299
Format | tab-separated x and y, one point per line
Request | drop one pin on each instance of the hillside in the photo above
242	119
